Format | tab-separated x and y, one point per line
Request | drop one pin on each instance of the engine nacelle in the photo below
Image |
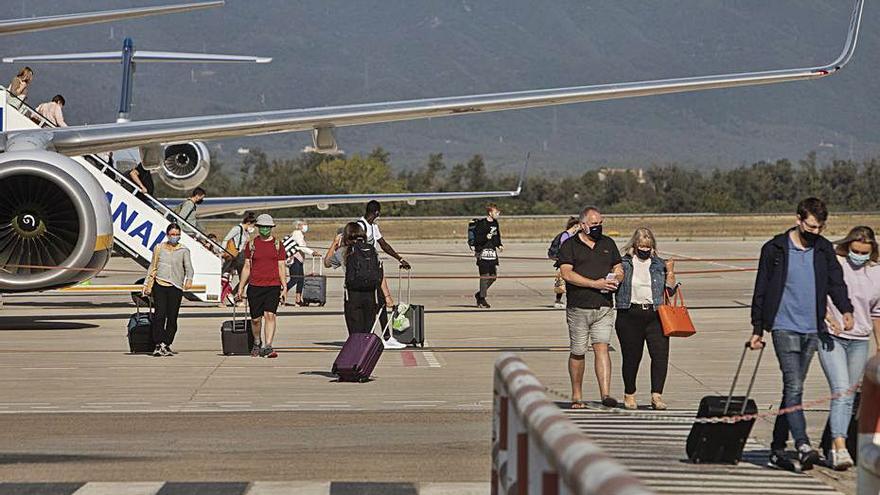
185	165
55	214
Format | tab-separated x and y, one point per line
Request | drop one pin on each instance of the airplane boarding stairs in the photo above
139	220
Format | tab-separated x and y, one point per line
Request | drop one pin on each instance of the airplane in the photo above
38	172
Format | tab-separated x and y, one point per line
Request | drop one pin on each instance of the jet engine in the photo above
53	214
185	165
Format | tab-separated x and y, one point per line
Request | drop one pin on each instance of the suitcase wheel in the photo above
322	304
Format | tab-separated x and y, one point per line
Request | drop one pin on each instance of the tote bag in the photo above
674	317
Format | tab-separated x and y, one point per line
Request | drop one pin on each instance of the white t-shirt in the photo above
373	234
240	236
641	282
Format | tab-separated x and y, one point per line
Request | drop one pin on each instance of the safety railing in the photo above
536	449
869	431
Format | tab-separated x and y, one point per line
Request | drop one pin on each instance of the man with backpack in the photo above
266	270
233	257
375	239
486	234
571	229
187	210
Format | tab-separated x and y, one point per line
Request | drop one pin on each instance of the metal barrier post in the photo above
869	431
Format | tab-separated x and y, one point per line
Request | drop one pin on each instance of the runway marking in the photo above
431	359
408	358
247	488
142	488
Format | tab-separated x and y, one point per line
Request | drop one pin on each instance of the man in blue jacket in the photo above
797	272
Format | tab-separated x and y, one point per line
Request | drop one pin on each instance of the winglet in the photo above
852	38
522	175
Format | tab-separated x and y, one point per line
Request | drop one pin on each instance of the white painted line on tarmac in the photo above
431	359
285	488
53	369
128	488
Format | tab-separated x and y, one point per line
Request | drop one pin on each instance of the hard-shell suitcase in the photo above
315	286
359	356
414	334
723	443
140	331
852	434
236	336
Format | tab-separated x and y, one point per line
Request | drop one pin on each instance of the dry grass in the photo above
545	228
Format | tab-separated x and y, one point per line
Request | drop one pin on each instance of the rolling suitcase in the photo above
236	336
315	286
414	334
723	443
140	330
359	356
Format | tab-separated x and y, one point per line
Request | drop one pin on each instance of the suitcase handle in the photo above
378	319
137	305
320	266
400	285
736	378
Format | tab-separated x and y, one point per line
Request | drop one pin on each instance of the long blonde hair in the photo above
641	234
858	234
26	74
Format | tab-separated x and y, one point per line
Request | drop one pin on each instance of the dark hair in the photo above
490	207
373	207
352	232
58	99
198	191
858	234
212	236
249	217
171	226
812	206
572	221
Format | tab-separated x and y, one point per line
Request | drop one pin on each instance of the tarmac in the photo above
77	407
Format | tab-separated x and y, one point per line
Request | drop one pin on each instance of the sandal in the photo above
578	404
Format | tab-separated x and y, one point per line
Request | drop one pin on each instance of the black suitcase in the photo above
140	331
315	286
723	443
852	433
414	335
236	336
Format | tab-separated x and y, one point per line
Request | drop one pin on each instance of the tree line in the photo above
762	187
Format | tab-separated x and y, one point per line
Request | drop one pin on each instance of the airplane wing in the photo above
14	26
82	140
220	206
137	56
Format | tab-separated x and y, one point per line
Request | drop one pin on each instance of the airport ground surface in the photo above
77	407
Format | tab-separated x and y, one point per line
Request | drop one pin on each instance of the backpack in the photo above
179	208
555	244
362	269
472	232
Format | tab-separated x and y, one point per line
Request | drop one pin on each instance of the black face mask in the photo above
643	255
809	238
199	201
595	232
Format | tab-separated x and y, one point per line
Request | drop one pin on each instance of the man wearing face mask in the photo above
487	245
187	209
590	264
797	272
234	243
265	269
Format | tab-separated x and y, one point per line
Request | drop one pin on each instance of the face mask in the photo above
250	230
265	231
809	238
495	214
199	201
173	239
305	228
642	254
595	232
859	259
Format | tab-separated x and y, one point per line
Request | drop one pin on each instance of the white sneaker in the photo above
559	305
841	460
393	343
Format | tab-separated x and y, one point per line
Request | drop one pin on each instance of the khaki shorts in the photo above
588	326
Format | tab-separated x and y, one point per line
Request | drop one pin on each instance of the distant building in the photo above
639	173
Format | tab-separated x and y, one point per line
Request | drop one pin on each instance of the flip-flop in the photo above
578	405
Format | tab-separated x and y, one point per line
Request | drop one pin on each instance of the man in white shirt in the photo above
53	111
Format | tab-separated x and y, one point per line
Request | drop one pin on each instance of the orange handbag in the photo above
674	317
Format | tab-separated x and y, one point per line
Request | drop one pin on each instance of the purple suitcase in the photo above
359	356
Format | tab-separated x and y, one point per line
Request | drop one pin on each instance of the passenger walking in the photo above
169	275
647	278
21	83
297	249
797	272
487	245
234	243
571	228
266	271
844	353
591	267
53	111
375	239
187	209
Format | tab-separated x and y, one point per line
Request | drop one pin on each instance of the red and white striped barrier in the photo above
869	430
536	449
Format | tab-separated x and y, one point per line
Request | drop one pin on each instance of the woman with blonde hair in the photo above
844	353
21	83
646	278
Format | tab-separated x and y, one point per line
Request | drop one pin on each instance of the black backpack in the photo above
555	244
472	232
362	270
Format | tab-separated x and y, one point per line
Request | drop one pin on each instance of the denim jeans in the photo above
794	351
843	361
